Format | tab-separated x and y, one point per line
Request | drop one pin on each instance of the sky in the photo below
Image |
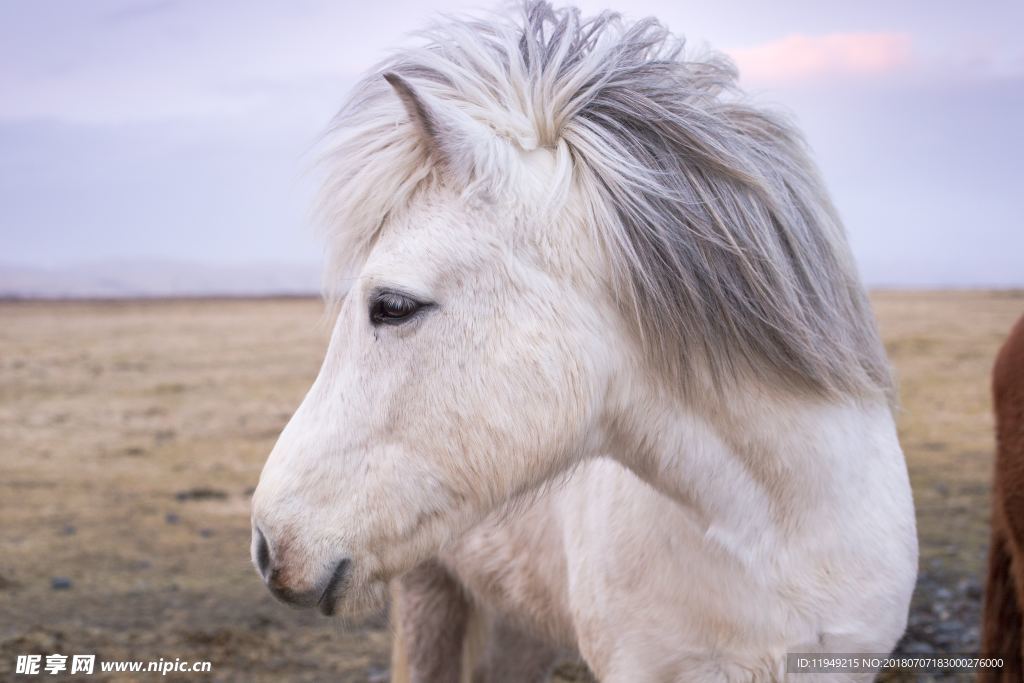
180	130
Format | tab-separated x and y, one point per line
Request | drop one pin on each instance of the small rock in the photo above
163	435
172	518
69	530
970	588
60	583
915	647
261	621
206	533
201	493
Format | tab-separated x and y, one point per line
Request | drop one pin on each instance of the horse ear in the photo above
420	111
451	136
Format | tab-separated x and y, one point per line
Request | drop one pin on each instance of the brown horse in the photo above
1004	596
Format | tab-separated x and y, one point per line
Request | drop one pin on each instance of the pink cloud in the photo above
800	58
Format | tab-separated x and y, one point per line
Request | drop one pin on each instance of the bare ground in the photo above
132	433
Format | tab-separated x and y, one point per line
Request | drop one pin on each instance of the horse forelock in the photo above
725	248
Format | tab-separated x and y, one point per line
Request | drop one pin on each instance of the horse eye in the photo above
392	308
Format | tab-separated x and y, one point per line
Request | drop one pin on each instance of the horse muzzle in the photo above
293	588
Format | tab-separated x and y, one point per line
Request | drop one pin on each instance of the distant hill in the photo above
129	279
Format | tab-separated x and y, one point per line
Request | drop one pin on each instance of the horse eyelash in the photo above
399	300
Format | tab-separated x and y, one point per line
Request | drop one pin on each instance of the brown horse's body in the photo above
1004	595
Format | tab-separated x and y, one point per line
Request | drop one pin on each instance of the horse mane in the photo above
727	251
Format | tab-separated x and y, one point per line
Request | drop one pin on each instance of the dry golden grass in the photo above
132	433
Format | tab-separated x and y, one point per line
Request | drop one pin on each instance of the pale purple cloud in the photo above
798	57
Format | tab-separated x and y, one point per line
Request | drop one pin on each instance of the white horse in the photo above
602	350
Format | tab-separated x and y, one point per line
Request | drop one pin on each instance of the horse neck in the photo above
761	465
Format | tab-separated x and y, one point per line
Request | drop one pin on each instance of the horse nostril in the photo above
262	553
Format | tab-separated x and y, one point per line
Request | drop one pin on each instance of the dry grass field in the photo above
132	433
